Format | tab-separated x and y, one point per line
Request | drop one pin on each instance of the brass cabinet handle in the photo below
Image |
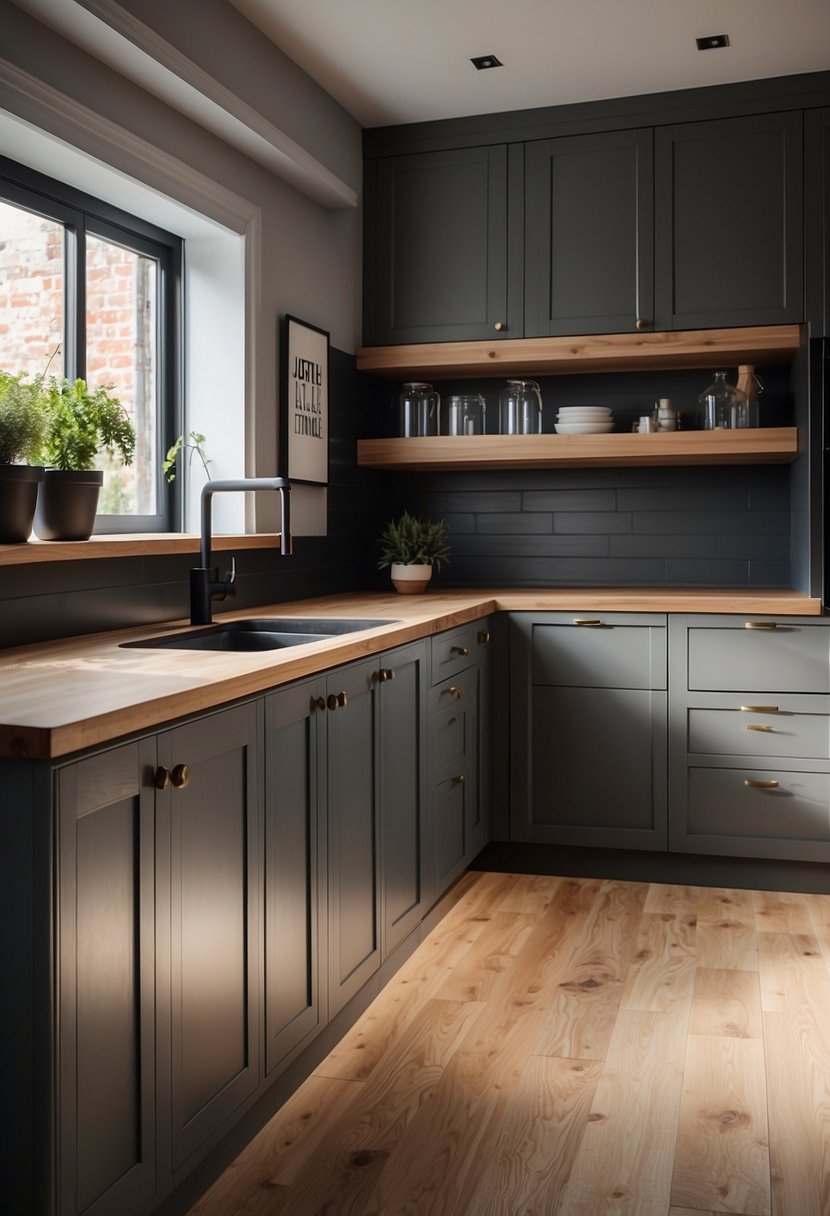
751	784
377	677
180	777
452	691
484	637
499	326
317	703
760	624
337	700
388	673
382	676
462	650
580	620
642	323
765	729
458	780
760	709
161	778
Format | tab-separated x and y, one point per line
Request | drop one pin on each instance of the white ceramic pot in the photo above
409	580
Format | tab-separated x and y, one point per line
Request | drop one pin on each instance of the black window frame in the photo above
81	213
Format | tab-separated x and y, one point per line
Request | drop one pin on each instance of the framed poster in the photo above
304	379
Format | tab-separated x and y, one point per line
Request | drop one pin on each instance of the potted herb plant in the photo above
413	547
22	423
80	422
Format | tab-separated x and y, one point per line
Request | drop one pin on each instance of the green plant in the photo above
192	443
22	417
80	422
413	541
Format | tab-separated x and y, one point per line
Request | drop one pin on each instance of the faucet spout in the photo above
205	584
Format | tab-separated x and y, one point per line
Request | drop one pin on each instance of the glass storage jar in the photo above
520	408
418	407
465	414
721	405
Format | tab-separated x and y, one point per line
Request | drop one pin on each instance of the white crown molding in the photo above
117	38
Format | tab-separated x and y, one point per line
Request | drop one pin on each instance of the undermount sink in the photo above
258	633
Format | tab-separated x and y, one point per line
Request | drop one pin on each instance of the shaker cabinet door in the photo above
436	248
817	209
729	227
589	239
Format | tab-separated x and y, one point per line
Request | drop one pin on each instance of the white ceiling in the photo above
393	61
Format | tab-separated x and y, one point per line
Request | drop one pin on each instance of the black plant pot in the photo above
66	504
18	495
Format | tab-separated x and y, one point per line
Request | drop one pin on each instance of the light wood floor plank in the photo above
726	1003
661	974
784	962
542	1130
624	1162
782	912
582	1017
672	898
724	903
722	1153
728	944
487	958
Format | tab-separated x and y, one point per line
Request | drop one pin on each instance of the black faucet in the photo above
205	584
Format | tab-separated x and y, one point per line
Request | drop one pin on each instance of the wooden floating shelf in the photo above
764	445
758	345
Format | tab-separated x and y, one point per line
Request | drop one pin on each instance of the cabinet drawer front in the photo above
455	650
451	743
725	732
721	804
602	656
734	658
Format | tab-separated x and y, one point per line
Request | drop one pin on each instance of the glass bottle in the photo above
418	406
520	408
751	386
720	405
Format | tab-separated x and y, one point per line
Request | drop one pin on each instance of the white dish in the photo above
583	428
583	411
584	417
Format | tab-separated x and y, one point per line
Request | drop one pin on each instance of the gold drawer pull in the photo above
764	729
483	637
751	784
452	691
760	709
577	620
462	650
760	625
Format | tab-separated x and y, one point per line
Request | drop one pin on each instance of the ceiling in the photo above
395	61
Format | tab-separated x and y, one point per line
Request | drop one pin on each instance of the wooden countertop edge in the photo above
52	679
133	544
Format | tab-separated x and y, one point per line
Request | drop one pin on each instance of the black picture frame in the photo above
304	401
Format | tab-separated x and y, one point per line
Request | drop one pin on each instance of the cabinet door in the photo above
453	772
589	234
728	218
106	989
294	830
436	247
353	845
402	789
817	209
209	895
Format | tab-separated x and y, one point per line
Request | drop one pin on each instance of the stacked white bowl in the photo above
583	420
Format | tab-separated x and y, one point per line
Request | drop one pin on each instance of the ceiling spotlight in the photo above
480	62
713	41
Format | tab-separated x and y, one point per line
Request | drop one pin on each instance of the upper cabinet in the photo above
729	244
437	264
692	225
817	141
589	234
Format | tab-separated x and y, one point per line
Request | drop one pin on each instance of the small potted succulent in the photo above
22	424
80	422
413	547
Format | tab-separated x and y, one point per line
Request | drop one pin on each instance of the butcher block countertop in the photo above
61	697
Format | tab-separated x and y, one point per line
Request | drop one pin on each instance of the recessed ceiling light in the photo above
480	62
713	41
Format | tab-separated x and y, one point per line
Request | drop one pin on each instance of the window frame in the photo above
80	213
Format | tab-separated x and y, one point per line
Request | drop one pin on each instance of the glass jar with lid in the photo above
418	406
520	408
721	405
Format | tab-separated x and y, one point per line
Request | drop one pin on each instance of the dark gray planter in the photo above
18	495
66	504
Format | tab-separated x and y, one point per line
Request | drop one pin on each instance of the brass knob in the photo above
377	677
499	326
180	777
760	785
458	780
161	779
452	691
760	624
317	703
462	650
337	700
388	673
642	323
342	700
484	637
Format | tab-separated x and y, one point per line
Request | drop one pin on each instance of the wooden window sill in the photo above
126	544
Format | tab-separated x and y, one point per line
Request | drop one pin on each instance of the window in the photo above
88	290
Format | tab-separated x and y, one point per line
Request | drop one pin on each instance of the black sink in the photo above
258	633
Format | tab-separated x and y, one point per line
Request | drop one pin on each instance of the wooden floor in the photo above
572	1047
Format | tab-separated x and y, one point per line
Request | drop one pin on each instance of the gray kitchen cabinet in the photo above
208	942
729	222
459	753
105	985
294	827
589	234
588	729
817	219
749	743
437	263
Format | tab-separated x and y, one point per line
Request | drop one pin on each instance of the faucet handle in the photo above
229	581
